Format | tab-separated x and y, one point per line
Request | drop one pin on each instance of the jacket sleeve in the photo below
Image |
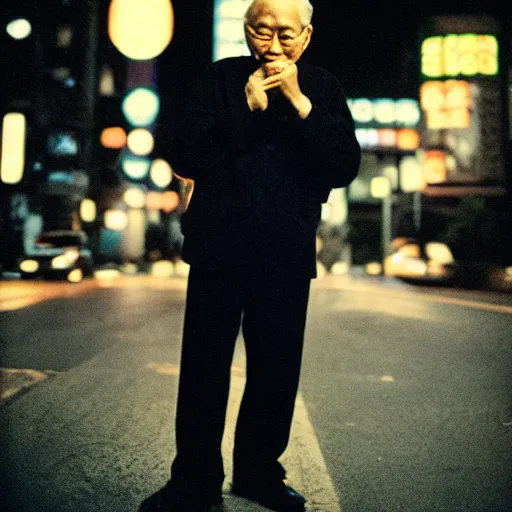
211	130
329	141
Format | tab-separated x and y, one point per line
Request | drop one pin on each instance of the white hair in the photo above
304	6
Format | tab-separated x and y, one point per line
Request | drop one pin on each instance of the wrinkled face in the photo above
274	31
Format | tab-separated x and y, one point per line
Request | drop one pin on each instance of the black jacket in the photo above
260	177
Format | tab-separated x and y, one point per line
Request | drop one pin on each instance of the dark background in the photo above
372	47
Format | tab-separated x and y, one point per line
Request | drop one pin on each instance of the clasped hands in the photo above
282	74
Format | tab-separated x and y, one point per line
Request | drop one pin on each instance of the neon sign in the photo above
454	55
446	104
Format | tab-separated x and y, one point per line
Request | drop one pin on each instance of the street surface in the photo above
405	401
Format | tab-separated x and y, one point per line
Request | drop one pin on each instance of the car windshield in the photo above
58	240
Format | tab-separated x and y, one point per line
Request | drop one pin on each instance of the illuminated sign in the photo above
139	29
228	29
385	112
434	166
447	104
13	148
454	55
386	123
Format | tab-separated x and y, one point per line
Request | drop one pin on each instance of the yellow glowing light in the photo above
387	137
154	200
384	111
29	266
116	220
162	268
434	166
76	275
411	175
106	85
373	269
113	137
109	273
13	148
88	210
362	110
460	54
380	187
140	142
135	197
446	103
19	28
140	29
408	139
160	173
439	252
170	201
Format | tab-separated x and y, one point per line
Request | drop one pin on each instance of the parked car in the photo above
412	261
58	255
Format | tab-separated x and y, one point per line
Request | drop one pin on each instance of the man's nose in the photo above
275	46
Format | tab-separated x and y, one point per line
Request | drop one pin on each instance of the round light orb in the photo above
170	201
140	142
88	210
139	29
113	137
154	200
160	173
135	197
19	28
141	106
134	167
116	220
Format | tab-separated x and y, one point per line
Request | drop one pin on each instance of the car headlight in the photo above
29	266
65	260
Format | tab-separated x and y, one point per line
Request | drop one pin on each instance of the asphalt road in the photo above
405	400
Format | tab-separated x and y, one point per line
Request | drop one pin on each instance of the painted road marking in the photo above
14	380
303	459
352	286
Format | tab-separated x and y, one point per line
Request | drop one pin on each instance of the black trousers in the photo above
272	312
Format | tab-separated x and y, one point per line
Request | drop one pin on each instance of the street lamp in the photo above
381	189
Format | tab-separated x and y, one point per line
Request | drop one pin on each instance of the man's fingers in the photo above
272	85
271	79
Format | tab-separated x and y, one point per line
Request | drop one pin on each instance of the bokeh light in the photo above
19	28
113	137
88	210
140	142
139	29
135	197
12	162
135	167
160	173
141	106
116	220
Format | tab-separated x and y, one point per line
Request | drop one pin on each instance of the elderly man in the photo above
265	138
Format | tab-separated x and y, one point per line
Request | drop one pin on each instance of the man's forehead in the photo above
268	12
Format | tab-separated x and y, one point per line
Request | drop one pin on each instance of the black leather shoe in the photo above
280	497
162	501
